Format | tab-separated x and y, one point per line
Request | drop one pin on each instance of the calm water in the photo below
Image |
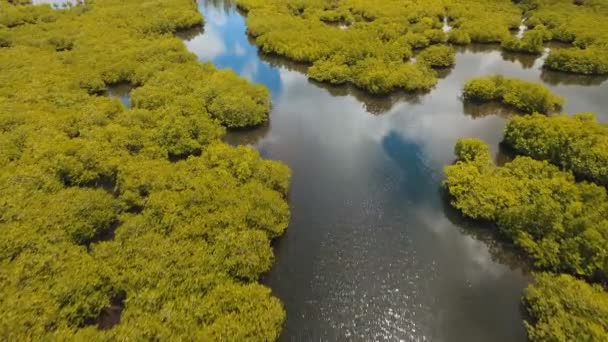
373	252
55	3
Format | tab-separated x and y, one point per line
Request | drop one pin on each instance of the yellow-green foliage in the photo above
438	56
590	61
484	21
578	144
562	308
561	224
532	41
584	24
99	201
370	44
528	97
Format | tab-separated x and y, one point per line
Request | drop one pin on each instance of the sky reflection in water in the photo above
373	251
224	42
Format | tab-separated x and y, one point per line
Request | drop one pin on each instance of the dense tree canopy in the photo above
578	144
438	56
531	42
566	309
370	44
146	206
528	97
561	224
582	23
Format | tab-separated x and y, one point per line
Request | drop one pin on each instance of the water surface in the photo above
55	3
373	250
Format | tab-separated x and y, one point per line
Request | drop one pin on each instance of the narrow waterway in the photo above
373	252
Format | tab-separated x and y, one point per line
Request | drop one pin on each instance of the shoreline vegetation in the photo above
327	36
527	97
560	223
132	223
167	229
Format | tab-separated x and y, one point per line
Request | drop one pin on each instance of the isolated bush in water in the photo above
528	97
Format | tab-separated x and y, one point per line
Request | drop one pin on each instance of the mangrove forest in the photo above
302	170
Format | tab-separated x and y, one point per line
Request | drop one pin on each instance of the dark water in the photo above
120	91
373	251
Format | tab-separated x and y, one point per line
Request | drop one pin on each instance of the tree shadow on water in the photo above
249	136
374	104
557	77
190	33
482	109
501	250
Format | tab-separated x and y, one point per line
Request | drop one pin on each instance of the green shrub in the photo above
481	89
437	56
528	97
561	224
472	150
459	37
563	308
417	40
383	31
585	26
61	43
578	144
5	39
591	61
333	70
147	205
532	42
378	77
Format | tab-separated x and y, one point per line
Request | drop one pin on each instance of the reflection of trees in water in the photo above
479	110
374	104
421	185
225	5
526	60
557	77
279	61
477	48
443	73
501	250
247	136
190	33
505	155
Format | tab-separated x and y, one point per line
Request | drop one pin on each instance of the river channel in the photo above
373	251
